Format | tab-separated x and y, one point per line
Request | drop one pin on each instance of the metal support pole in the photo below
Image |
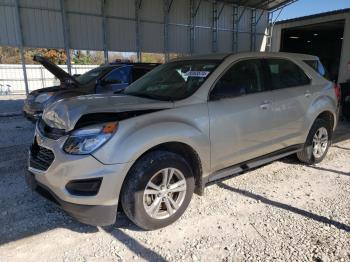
104	30
166	6
235	29
215	27
253	30
260	16
42	76
192	33
138	40
222	9
24	70
193	13
21	44
66	35
269	32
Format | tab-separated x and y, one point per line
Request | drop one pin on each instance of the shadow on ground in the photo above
286	207
342	132
24	213
31	215
8	105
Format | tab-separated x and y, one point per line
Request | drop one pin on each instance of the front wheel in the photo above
317	143
157	190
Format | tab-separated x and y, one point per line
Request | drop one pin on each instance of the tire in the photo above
137	205
308	154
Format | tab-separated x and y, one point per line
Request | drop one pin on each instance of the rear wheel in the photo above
317	143
157	190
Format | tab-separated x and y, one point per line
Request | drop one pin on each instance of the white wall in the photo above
11	76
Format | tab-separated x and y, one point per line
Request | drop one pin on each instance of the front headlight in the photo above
43	97
86	140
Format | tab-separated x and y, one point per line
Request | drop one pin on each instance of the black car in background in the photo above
345	100
109	78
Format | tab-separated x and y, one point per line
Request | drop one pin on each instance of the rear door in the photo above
240	113
292	95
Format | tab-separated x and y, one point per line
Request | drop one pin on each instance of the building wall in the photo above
12	79
344	67
89	25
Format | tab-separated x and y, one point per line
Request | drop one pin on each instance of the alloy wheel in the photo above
320	142
164	193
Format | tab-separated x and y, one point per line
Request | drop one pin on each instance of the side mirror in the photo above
68	82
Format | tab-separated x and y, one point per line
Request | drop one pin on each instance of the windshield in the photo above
91	75
173	81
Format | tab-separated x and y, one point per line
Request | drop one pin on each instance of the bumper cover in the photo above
96	215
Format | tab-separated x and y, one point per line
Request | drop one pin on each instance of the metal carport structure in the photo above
155	26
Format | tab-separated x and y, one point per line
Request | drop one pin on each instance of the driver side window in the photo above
244	77
117	76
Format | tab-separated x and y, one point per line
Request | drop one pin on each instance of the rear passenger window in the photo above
285	73
244	77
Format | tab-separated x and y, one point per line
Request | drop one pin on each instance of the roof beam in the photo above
221	9
263	4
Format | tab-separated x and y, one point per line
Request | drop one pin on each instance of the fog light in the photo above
84	187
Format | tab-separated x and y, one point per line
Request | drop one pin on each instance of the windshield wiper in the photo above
120	91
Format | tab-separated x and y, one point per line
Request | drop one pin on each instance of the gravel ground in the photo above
283	211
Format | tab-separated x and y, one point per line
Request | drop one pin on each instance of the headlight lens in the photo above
86	140
43	97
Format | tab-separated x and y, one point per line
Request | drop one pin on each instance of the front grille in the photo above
40	157
47	131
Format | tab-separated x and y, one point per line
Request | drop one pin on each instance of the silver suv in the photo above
185	124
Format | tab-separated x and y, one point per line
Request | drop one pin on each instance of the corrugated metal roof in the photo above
42	25
259	4
335	12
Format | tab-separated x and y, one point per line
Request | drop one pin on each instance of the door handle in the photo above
307	93
265	105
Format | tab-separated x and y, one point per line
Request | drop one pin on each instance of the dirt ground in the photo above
283	211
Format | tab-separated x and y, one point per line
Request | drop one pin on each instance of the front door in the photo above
240	113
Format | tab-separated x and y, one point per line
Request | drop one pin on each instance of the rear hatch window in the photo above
318	67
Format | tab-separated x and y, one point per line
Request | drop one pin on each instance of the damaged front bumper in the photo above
62	178
96	215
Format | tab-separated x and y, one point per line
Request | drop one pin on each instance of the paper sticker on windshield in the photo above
197	73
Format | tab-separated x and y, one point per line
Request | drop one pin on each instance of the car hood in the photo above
51	89
58	72
65	113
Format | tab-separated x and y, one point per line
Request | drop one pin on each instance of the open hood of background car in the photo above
54	69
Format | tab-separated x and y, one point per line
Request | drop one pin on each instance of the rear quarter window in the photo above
318	67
